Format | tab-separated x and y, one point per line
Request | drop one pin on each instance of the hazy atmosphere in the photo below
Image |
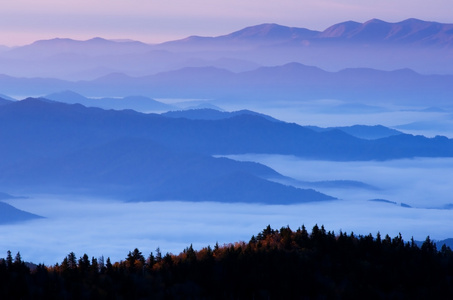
25	21
146	124
109	228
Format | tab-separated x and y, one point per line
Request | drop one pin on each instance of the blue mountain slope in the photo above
138	103
9	214
244	187
49	128
51	146
141	170
4	101
212	114
362	131
292	81
133	168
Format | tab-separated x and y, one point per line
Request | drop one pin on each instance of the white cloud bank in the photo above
110	228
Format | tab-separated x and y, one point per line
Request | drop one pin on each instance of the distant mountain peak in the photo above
339	29
98	39
272	31
67	94
375	21
115	76
376	31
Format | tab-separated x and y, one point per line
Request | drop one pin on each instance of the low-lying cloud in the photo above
111	228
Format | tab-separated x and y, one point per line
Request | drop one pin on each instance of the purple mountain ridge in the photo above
420	45
94	46
416	44
409	31
412	31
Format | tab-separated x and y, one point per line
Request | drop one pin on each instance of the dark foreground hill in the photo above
276	264
50	146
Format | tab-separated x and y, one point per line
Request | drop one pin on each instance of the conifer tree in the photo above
9	259
72	261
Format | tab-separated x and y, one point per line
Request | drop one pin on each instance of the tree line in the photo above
274	264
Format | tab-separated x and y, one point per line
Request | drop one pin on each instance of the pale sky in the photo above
151	21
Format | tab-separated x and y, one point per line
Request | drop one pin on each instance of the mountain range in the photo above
362	131
293	82
51	146
56	147
412	32
420	45
138	103
97	145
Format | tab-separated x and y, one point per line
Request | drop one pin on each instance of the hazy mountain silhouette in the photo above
141	170
4	101
86	60
328	184
95	47
446	242
212	114
352	108
410	31
384	201
416	44
138	103
52	146
362	131
411	43
340	184
252	36
245	187
52	127
292	81
70	148
9	214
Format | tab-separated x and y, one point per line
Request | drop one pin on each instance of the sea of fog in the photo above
416	119
109	228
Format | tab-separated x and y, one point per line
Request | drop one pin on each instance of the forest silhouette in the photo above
275	264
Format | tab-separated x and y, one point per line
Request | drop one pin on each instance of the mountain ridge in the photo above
289	81
55	146
407	31
138	103
420	45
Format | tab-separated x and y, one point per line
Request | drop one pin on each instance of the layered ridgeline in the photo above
57	147
359	62
420	45
289	82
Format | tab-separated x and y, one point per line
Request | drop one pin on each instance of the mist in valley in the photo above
111	228
411	196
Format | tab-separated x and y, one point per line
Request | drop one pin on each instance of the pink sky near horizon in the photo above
152	21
